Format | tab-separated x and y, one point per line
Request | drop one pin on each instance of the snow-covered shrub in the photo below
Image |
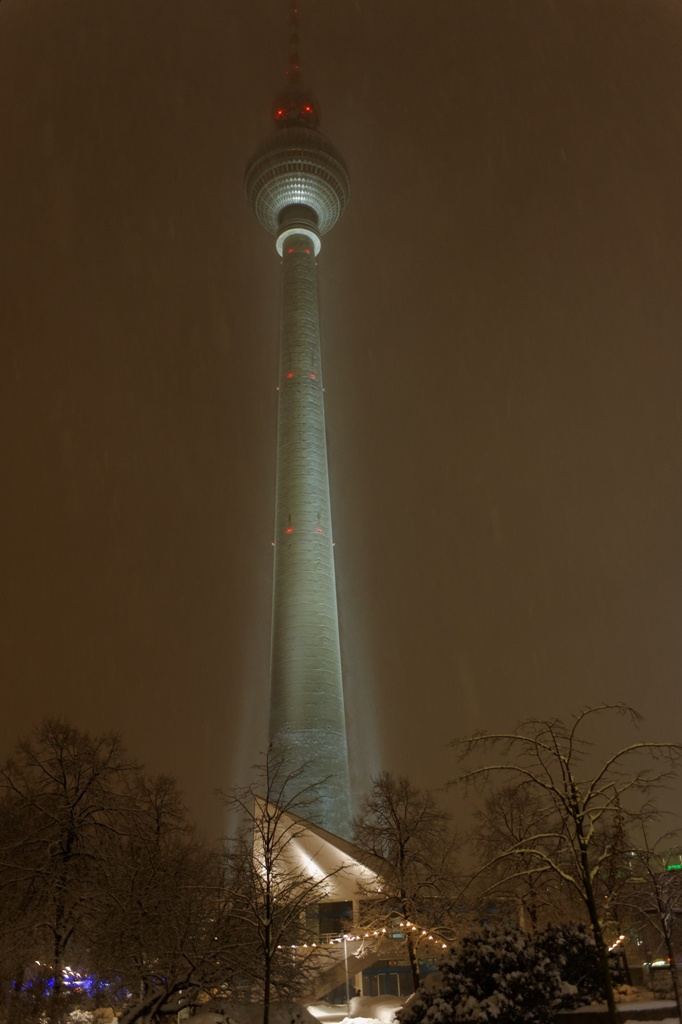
80	1017
495	975
627	993
509	975
572	948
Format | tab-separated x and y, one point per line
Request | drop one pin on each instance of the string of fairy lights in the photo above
422	935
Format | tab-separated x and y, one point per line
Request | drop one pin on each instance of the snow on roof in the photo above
310	848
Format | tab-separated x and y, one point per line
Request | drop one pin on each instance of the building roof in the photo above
349	873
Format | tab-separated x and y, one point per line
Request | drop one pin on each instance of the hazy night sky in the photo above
501	317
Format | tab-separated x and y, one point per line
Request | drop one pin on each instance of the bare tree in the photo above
653	895
160	927
510	816
271	885
64	793
412	839
20	914
581	793
101	868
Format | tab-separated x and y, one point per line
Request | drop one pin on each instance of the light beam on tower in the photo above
297	185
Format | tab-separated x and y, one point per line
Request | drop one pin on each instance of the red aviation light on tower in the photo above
296	107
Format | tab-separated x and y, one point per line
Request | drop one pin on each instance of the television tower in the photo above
298	186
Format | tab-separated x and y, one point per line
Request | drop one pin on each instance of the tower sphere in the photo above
297	167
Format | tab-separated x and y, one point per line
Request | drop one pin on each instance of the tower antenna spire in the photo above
295	105
294	69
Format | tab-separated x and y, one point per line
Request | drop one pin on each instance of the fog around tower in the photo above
500	308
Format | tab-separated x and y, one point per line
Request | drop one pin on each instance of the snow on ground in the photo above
626	1006
328	1013
281	1012
383	1008
360	1020
363	1010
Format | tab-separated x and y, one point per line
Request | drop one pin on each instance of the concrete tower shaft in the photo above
307	715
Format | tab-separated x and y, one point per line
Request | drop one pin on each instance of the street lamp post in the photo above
345	964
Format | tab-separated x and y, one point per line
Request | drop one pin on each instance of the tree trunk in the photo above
673	969
602	951
58	955
145	1008
267	978
591	904
414	962
406	911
